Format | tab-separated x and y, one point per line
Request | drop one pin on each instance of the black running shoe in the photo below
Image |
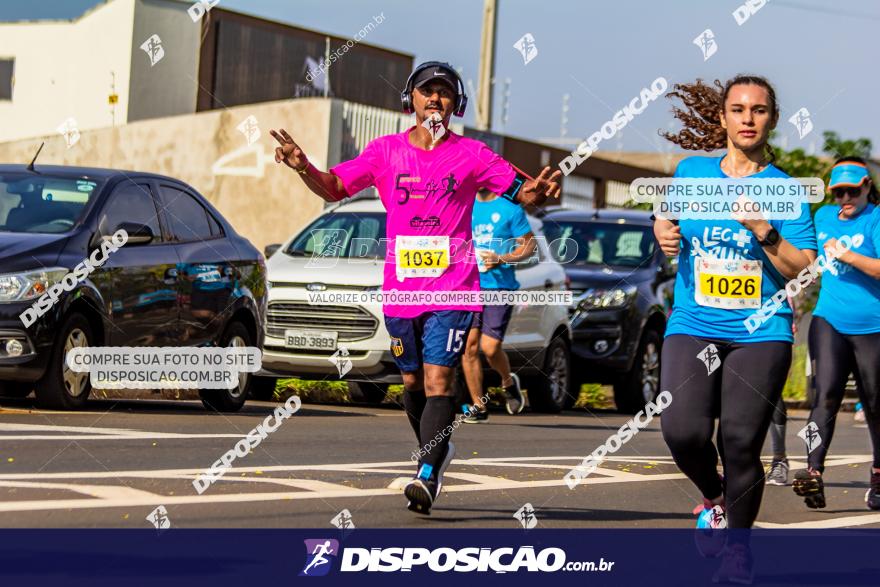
475	416
808	484
872	497
514	396
421	492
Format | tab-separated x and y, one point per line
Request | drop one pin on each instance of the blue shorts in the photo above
436	338
493	321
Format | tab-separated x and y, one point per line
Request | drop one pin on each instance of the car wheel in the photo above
551	392
61	388
263	388
640	384
15	389
373	393
230	400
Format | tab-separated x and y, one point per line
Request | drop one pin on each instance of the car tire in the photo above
15	389
640	385
373	393
230	400
552	391
60	388
263	388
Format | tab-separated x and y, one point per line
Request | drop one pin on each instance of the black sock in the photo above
414	405
777	441
436	429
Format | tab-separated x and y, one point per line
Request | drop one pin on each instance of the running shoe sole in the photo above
419	496
518	397
811	488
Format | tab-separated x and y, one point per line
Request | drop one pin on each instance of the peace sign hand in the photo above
534	192
289	152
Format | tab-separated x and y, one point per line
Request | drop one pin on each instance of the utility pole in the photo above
487	66
113	98
326	66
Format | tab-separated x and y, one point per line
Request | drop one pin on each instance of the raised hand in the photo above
542	187
289	152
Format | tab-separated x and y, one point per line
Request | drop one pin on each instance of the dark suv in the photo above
183	278
622	286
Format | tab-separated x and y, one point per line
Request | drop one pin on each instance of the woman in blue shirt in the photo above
712	364
845	330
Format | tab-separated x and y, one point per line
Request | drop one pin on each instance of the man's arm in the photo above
324	184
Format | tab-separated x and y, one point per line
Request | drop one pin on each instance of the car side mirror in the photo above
270	249
138	234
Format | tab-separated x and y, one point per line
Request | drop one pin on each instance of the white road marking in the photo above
122	496
91	433
845	522
102	492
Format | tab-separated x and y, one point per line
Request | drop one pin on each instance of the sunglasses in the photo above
851	192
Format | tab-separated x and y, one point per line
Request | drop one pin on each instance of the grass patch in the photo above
796	384
594	396
313	391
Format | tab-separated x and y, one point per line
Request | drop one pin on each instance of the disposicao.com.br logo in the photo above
320	553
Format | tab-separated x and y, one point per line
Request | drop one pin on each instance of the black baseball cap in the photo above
437	72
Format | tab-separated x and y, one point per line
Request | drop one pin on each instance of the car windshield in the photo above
43	203
342	234
600	243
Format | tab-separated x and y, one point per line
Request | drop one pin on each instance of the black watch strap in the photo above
771	239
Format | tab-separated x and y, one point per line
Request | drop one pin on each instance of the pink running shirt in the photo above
428	195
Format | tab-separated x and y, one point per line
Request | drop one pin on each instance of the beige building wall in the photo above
63	69
266	202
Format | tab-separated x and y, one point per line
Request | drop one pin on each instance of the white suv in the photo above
309	340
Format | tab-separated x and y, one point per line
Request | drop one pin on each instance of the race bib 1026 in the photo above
730	284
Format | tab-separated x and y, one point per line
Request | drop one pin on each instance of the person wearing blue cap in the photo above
845	330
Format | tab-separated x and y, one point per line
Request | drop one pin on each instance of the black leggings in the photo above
835	356
742	392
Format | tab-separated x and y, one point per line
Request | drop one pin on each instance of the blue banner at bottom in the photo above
436	557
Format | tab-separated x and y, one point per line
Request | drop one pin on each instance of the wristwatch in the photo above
770	239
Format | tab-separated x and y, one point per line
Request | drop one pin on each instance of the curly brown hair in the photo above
702	120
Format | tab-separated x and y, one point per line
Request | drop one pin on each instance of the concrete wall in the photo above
169	87
264	201
63	69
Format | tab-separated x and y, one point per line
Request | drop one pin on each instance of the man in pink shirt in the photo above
427	178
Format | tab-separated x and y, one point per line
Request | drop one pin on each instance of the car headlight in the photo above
606	299
29	285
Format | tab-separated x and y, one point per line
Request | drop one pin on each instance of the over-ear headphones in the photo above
461	98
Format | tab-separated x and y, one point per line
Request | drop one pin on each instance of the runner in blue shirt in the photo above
502	238
711	364
845	330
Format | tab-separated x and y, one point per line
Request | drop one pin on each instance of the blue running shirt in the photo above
730	241
850	300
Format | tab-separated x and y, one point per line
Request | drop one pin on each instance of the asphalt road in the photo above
112	465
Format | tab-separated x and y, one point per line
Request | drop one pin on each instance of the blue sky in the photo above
819	55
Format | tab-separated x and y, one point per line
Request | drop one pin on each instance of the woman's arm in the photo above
788	259
867	265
